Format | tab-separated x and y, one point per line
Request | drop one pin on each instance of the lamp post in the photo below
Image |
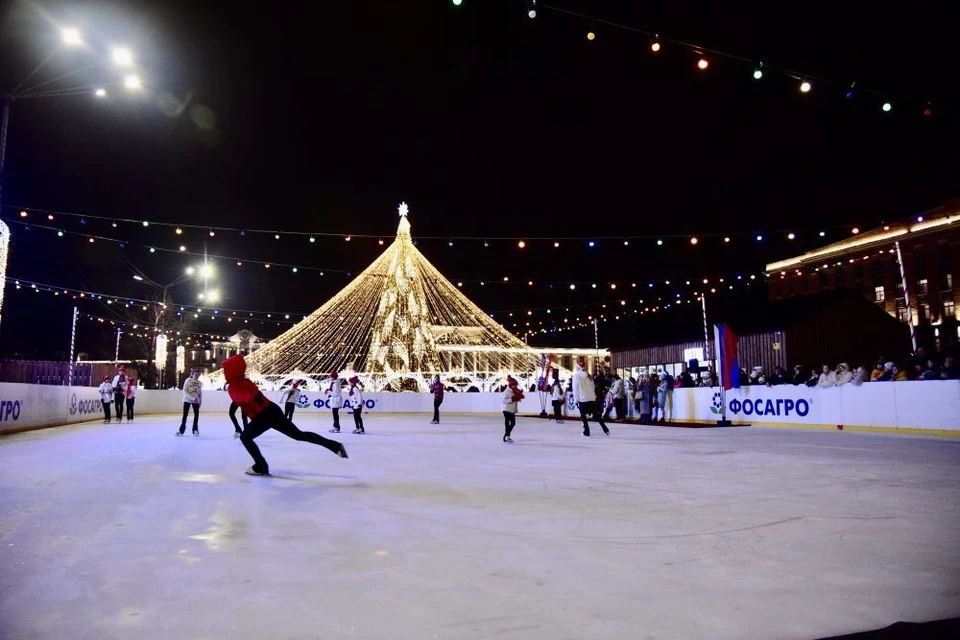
70	38
203	271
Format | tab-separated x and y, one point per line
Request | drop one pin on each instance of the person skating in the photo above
131	397
335	398
289	399
437	390
355	397
556	399
192	397
585	395
511	396
120	383
264	415
106	397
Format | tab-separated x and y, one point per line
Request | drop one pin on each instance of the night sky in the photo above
489	124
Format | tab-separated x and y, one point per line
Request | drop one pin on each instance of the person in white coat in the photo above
630	387
356	403
508	401
192	397
585	395
556	399
106	397
827	378
131	397
120	382
335	399
288	399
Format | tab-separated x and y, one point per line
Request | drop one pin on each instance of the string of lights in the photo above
702	58
482	281
28	215
285	317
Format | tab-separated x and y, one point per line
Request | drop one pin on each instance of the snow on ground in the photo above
446	532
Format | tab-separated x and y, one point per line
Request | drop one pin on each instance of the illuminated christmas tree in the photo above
396	325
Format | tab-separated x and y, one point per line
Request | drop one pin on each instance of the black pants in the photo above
106	410
130	408
118	399
592	409
509	422
357	418
620	405
196	416
436	409
288	410
272	418
336	418
557	406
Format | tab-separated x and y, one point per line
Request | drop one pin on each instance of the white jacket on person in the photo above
507	402
289	395
583	388
356	398
106	392
827	380
192	391
120	384
336	396
556	394
617	388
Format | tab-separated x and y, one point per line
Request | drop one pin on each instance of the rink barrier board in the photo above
908	407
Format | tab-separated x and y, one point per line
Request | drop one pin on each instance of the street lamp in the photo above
70	38
122	57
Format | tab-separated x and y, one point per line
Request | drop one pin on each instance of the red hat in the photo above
106	378
354	380
511	381
296	384
333	375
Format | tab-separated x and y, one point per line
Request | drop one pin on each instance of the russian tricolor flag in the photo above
729	361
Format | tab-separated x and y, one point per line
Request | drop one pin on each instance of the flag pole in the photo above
722	422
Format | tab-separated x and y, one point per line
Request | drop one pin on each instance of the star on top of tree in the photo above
403	209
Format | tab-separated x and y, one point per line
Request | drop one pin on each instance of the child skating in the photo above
192	397
511	396
106	397
355	397
335	398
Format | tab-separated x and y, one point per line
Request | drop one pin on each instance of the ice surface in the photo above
445	532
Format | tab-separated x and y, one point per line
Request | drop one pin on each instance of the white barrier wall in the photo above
903	405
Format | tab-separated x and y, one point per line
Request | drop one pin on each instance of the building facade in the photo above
867	263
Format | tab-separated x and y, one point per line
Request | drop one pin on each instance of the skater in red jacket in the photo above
264	415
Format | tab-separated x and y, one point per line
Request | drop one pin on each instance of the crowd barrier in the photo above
933	405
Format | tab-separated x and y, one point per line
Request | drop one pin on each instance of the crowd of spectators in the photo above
919	366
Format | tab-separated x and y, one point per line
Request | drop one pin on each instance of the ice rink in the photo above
445	532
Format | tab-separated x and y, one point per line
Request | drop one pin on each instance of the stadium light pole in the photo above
121	57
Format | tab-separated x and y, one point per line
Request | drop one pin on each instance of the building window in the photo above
901	310
877	273
949	309
879	294
946	282
922	288
923	310
920	263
